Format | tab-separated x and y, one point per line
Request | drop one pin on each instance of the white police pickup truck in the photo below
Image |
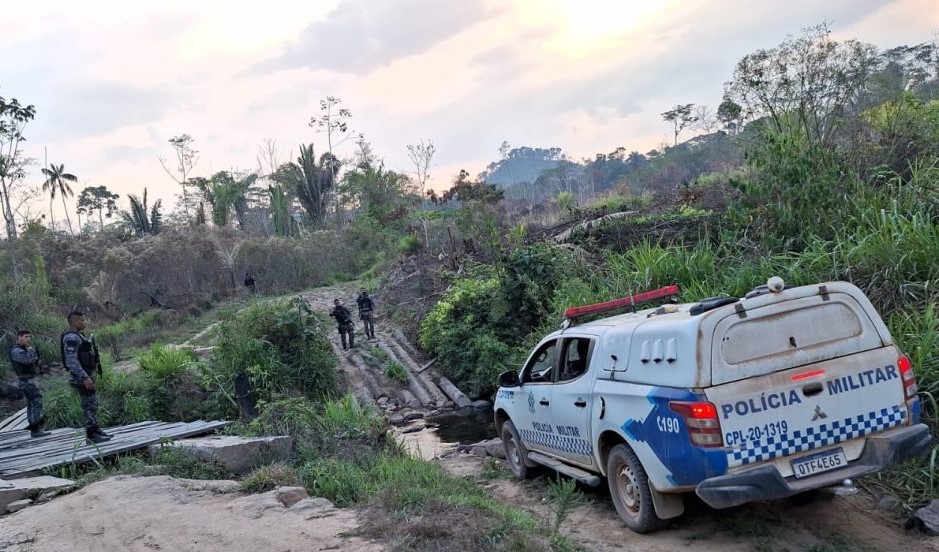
787	390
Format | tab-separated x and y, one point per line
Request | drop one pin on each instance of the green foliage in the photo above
166	363
22	307
564	497
410	244
281	346
311	181
459	332
267	478
474	330
100	199
797	180
284	225
142	219
396	371
115	337
614	203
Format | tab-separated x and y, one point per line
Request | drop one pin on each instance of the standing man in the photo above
344	321
249	283
366	309
80	357
26	363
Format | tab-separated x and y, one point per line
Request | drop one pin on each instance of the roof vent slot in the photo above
657	351
671	350
645	352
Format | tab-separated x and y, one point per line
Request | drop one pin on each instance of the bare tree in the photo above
186	159
13	119
268	158
706	120
334	122
421	156
806	85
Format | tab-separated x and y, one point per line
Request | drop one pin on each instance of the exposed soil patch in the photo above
144	514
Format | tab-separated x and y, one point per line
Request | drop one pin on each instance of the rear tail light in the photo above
909	378
704	428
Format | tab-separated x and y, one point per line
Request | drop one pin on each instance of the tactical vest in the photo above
86	352
23	371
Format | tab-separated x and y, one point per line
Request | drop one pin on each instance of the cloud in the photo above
358	37
99	107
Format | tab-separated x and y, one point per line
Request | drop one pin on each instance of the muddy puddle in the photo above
441	434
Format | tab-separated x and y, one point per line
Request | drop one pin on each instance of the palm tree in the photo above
312	181
57	182
139	220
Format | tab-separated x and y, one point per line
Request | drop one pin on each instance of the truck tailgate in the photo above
810	407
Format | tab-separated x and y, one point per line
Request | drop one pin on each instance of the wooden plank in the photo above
21	455
15	422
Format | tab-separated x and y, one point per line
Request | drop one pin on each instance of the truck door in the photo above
533	400
572	402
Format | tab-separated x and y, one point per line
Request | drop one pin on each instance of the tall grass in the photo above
165	363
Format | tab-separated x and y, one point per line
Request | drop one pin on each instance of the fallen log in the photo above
453	393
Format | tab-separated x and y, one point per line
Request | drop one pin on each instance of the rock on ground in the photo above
17	489
143	514
237	454
926	519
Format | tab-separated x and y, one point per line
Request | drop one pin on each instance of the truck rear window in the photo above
796	329
793	333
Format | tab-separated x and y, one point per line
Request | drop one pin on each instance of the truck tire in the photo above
516	454
629	487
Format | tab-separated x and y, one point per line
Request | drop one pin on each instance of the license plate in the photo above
818	463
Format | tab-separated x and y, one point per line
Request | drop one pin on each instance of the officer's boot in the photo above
35	431
95	436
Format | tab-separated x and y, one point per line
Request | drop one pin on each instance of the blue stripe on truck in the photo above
665	433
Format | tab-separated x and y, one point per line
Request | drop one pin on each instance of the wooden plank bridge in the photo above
23	456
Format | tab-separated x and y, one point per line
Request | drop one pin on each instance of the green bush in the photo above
166	363
280	345
410	244
396	371
267	478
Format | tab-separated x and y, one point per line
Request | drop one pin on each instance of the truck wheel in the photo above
629	487
515	452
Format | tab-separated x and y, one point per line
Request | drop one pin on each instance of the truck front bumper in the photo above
766	483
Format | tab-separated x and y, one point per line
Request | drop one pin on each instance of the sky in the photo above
113	80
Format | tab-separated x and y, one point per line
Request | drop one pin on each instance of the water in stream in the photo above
464	427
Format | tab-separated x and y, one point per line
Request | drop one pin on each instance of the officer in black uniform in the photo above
80	357
344	323
366	311
249	283
26	363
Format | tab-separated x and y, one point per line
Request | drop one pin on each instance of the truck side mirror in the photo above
509	379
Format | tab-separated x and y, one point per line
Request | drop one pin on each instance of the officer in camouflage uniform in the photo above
366	311
344	323
80	357
26	363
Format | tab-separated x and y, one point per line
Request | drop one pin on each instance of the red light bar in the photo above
807	375
632	300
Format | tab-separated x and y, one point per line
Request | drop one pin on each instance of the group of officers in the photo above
344	319
80	357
